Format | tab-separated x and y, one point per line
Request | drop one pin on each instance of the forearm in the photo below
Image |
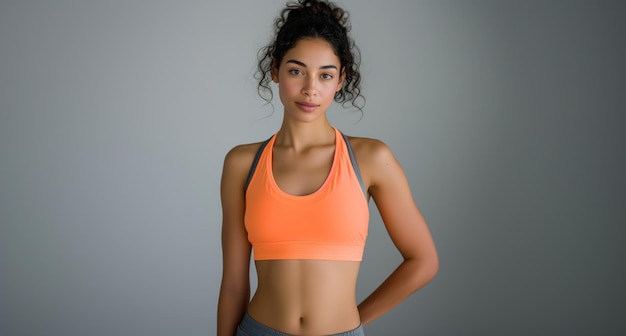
231	308
410	276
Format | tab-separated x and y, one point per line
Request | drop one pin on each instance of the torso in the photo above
305	297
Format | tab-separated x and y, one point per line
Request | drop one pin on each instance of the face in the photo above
308	77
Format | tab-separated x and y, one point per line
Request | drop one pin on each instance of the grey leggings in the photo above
250	327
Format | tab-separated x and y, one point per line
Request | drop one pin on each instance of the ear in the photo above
274	71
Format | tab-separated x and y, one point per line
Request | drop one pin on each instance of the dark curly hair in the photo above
313	19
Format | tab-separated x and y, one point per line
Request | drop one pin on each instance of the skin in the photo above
316	297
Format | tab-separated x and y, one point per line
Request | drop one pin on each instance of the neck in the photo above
302	135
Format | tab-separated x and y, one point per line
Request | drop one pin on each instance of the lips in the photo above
307	106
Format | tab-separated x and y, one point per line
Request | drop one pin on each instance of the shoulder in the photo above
375	159
238	161
369	150
241	155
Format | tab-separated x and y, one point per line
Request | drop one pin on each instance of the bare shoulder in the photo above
370	151
241	156
375	159
237	164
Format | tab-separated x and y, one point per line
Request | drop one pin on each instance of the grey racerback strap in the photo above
355	165
255	162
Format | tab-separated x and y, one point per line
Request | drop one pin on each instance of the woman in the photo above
299	200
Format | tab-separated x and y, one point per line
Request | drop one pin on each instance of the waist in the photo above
306	296
250	326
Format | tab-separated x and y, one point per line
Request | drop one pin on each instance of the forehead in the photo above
313	52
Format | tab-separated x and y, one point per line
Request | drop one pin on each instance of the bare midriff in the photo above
306	297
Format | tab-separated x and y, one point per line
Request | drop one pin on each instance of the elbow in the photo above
432	265
424	271
432	268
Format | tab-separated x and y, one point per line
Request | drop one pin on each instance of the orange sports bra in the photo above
329	224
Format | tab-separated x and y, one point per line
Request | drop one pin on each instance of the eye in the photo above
327	76
295	72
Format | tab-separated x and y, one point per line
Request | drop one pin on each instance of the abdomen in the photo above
306	296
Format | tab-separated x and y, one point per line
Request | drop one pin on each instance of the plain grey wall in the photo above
506	115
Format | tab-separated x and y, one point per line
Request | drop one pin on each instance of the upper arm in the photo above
236	249
389	187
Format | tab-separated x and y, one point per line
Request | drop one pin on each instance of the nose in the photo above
310	86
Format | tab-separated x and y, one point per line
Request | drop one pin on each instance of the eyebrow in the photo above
330	66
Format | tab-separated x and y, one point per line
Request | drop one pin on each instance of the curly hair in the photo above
313	19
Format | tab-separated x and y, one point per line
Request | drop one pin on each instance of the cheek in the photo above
330	89
287	91
284	88
289	86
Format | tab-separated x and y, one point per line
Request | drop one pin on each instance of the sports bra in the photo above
329	224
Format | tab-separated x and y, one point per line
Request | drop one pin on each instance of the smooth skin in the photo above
316	297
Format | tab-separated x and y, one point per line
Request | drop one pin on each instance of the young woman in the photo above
300	199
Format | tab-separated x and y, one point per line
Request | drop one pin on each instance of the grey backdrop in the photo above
507	116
